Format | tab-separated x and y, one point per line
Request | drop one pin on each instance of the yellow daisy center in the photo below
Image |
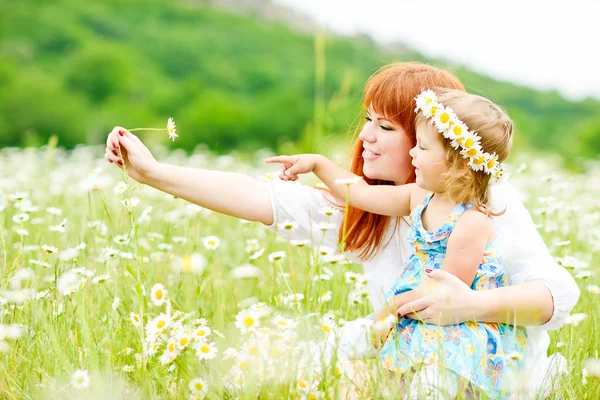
159	294
187	263
444	118
205	349
248	322
160	324
183	341
472	152
326	328
198	386
469	143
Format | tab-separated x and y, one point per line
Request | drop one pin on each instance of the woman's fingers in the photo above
414	306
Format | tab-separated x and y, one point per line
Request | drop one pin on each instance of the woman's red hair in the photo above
391	92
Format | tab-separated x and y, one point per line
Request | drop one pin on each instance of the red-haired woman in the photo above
541	294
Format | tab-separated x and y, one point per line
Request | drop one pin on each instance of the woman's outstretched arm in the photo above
228	193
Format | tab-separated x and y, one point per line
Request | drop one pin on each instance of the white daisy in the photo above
100	278
211	242
121	187
194	263
205	350
20	218
135	319
49	249
202	333
80	379
247	320
288	225
197	386
300	243
276	256
158	294
171	129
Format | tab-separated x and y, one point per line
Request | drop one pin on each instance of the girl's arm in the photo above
466	245
229	193
378	199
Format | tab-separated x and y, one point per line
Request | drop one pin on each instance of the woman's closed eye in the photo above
382	126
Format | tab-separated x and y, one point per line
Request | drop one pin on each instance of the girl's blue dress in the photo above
486	354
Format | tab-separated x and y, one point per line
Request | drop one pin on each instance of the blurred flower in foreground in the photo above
80	379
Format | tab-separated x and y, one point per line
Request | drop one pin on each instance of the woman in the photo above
542	293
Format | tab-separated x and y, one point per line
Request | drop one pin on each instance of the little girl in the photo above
462	140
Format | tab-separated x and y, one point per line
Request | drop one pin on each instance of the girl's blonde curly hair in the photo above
495	128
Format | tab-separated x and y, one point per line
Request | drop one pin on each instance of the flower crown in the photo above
449	125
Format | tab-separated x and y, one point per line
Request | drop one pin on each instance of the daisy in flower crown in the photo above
461	142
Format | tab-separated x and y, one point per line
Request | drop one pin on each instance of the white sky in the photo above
552	44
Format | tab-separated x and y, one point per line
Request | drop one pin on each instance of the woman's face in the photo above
385	149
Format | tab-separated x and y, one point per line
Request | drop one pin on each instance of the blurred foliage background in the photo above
231	80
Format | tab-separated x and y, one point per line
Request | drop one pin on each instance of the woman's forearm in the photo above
527	303
228	193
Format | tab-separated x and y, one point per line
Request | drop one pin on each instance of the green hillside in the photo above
76	68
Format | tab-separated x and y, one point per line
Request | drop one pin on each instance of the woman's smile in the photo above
369	155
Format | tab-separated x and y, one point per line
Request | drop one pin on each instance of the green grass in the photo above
82	330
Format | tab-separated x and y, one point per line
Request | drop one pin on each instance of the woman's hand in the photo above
128	152
291	166
444	300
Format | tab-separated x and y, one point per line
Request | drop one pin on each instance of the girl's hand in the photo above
445	300
291	166
128	152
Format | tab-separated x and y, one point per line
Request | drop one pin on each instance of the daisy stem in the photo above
346	206
146	129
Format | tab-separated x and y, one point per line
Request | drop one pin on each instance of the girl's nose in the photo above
366	135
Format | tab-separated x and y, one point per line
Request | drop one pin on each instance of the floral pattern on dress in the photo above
481	353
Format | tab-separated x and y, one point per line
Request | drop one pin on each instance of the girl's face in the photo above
429	158
386	149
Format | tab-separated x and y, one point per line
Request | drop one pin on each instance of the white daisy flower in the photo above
121	187
158	294
277	256
442	118
80	379
283	323
256	254
205	350
300	243
194	263
593	289
202	333
325	297
100	278
197	386
49	249
131	203
425	98
289	226
127	368
245	271
477	162
171	129
211	242
326	226
20	218
491	162
157	325
329	211
183	339
135	319
575	319
247	320
456	130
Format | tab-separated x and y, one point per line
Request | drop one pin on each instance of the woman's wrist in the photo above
153	175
